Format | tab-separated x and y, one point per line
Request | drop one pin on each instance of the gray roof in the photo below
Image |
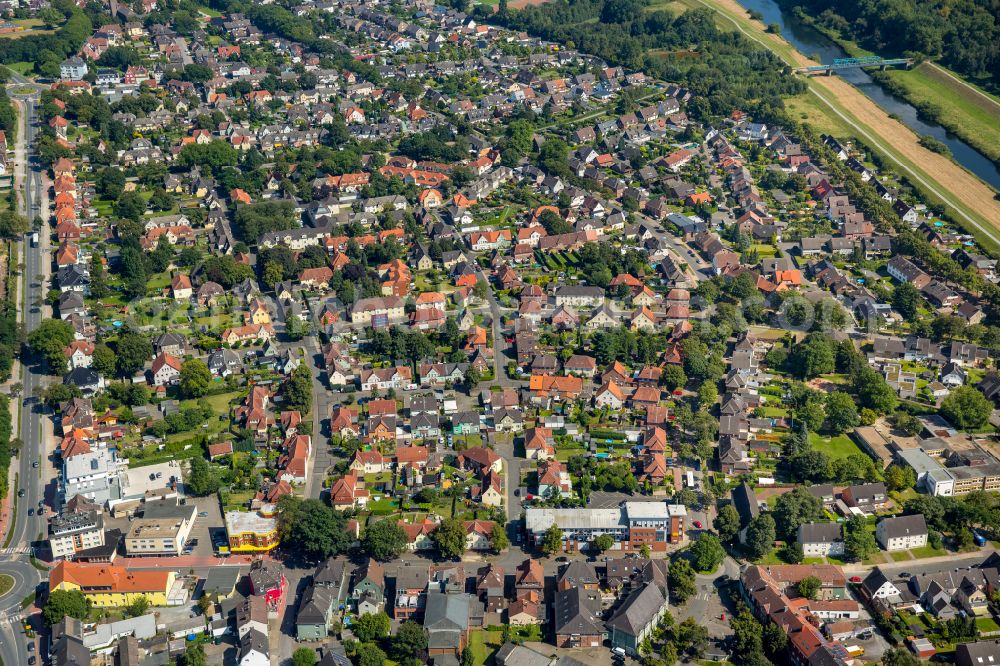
221	579
256	641
820	533
315	605
902	526
576	612
446	618
638	610
745	501
980	653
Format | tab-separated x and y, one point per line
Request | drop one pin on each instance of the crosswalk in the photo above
15	550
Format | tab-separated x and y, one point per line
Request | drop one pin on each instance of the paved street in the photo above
27	529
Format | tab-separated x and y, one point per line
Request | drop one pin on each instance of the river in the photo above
814	44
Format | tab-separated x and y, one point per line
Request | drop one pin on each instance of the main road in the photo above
24	531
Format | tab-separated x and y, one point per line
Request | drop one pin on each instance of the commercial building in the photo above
93	474
634	525
932	477
72	532
112	586
160	532
251	532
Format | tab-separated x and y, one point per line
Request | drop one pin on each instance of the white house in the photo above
902	532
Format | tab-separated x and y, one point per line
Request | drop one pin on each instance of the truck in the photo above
690	479
855	651
34	239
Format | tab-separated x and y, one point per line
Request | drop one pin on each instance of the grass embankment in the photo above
938	179
940	96
967	113
6	584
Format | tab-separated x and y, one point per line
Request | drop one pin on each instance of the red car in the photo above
855	579
697	524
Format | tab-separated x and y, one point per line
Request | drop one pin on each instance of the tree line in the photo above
965	34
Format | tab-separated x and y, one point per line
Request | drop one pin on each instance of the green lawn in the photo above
900	556
987	624
219	402
928	551
483	644
22	68
840	446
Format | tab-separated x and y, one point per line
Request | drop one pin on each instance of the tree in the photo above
298	389
859	542
967	408
674	377
132	350
873	391
195	656
204	604
900	477
603	542
552	540
62	603
201	479
727	522
793	509
196	378
312	529
370	654
384	540
813	356
899	657
410	639
498	538
681	580
371	626
707	553
130	205
304	657
905	300
138	607
809	586
104	361
13	225
760	536
49	340
449	538
841	413
690	637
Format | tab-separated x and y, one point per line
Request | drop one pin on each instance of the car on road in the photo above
562	558
905	574
203	514
31	647
35	464
697	524
855	579
31	511
20	493
31	660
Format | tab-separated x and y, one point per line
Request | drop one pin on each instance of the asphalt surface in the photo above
26	529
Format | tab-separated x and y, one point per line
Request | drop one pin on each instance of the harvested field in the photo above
521	4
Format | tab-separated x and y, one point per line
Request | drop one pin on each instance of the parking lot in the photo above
212	518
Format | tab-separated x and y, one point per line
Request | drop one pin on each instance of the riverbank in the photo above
966	198
938	95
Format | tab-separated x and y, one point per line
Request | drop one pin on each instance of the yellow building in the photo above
112	586
251	532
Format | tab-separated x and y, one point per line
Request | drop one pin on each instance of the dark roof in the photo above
745	501
637	611
315	605
576	612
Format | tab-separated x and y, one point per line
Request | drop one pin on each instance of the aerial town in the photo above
364	332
